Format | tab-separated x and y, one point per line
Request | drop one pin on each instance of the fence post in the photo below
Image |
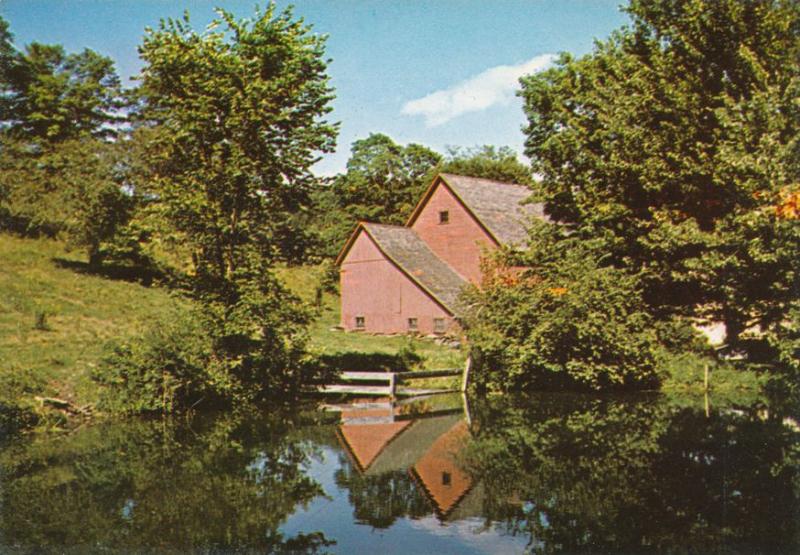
465	377
392	384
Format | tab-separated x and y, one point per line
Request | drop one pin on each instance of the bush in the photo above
17	389
217	354
565	324
168	367
780	353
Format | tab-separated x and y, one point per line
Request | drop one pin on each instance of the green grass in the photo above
55	320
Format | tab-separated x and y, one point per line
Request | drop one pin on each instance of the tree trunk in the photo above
95	258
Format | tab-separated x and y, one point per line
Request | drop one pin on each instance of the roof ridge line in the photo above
509	183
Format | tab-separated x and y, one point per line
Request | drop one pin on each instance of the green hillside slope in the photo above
55	318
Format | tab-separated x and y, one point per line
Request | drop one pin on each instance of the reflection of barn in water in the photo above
424	448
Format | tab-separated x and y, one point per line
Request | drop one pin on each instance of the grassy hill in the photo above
56	318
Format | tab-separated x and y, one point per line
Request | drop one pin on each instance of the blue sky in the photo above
437	73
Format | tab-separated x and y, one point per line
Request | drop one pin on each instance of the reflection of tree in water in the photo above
576	475
227	483
379	500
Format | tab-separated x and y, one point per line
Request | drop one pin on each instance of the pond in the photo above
550	474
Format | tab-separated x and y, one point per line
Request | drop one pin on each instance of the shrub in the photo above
780	353
216	354
168	367
565	324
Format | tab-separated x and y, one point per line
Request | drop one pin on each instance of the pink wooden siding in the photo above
374	288
461	242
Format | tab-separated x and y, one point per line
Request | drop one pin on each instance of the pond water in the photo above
553	473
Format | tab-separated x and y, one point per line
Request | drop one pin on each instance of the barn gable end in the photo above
388	279
461	240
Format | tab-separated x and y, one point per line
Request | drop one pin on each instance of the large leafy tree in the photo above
49	95
59	165
240	112
236	120
674	145
384	180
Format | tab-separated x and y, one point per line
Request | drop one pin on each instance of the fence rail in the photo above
393	381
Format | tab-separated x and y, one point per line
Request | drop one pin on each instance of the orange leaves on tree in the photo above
788	208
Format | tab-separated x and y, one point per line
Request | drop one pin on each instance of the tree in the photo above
384	180
51	96
488	162
58	114
236	120
671	145
239	114
73	189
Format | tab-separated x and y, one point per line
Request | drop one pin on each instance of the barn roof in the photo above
412	255
499	207
440	459
366	442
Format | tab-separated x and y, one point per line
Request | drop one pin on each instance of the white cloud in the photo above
494	86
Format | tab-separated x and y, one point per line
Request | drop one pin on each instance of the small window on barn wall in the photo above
412	324
360	323
438	325
444	217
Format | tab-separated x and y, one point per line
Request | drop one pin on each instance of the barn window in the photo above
360	324
446	479
438	325
444	217
412	324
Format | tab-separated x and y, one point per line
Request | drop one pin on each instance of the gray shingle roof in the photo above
499	206
405	248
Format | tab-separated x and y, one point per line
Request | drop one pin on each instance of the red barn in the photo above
397	279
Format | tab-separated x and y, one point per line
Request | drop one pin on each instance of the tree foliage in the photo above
673	147
235	120
240	112
566	322
74	188
49	95
384	180
488	162
60	173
